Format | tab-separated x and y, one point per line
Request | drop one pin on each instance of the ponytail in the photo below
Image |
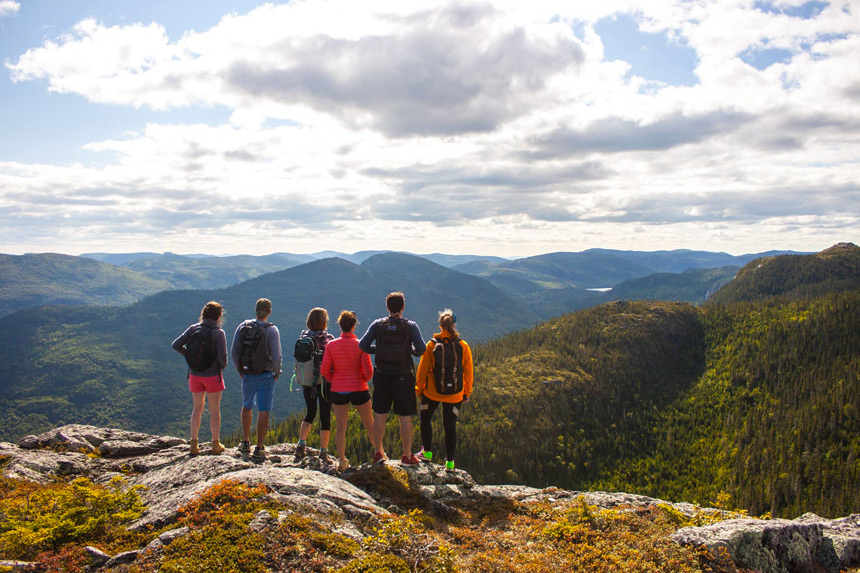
448	321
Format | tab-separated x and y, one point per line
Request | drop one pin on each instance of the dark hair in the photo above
317	319
347	320
395	302
212	310
447	320
263	308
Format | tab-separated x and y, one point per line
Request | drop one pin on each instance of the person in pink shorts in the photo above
204	346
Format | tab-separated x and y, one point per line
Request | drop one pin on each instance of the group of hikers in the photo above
333	374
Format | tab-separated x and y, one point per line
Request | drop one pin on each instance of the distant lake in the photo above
600	289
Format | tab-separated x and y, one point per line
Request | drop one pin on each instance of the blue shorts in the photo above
261	386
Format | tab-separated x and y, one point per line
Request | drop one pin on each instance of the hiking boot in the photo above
195	449
449	466
324	457
300	452
342	464
410	461
425	456
259	454
217	448
379	458
244	447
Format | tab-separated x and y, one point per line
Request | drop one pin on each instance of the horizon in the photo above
506	129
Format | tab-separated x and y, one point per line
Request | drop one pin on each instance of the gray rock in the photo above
262	522
809	543
172	535
123	558
20	566
41	466
30	442
97	556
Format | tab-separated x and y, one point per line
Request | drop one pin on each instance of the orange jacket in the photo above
425	381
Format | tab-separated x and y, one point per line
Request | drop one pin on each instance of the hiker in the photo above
204	346
256	353
348	369
445	376
315	390
396	340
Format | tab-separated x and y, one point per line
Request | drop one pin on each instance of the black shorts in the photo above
398	389
356	398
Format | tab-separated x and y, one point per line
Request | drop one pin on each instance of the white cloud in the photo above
9	8
492	119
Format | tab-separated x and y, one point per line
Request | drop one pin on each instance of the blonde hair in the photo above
447	321
317	319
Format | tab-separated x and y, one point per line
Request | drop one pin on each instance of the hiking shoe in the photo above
425	456
342	464
410	461
324	457
244	447
259	454
379	458
300	452
195	448
216	448
449	465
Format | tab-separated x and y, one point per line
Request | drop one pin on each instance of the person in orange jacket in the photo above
445	376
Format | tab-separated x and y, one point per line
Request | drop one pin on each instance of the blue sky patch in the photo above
761	59
805	11
651	56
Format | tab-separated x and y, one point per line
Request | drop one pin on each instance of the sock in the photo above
323	451
302	442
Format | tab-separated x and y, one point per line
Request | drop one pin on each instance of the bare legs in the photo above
196	413
405	432
341	414
214	401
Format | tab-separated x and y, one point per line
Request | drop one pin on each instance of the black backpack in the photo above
448	365
253	356
199	351
393	346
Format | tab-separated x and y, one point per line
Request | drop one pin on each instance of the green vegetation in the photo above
41	279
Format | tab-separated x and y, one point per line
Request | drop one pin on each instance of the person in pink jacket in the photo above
348	369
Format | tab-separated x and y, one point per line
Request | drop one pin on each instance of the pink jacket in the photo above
345	365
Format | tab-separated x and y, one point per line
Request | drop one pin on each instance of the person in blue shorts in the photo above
256	353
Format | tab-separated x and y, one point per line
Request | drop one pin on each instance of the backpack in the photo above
448	365
253	356
308	354
393	346
199	353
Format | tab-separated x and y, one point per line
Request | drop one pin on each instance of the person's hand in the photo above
465	398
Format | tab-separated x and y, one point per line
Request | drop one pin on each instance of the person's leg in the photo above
262	427
365	412
378	431
247	418
325	421
310	396
382	401
214	401
406	434
427	409
341	413
197	399
450	413
249	391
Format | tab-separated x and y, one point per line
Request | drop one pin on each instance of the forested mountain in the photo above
759	399
832	270
49	278
114	366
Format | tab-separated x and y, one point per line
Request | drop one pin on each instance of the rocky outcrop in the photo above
356	499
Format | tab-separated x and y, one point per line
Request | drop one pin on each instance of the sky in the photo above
471	127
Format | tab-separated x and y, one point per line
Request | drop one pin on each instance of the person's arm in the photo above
368	339
179	344
424	366
221	348
468	370
275	350
326	365
418	344
235	350
366	367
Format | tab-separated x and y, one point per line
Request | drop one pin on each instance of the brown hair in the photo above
212	310
317	319
395	302
447	320
347	320
263	308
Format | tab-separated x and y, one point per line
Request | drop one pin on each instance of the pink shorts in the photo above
205	383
